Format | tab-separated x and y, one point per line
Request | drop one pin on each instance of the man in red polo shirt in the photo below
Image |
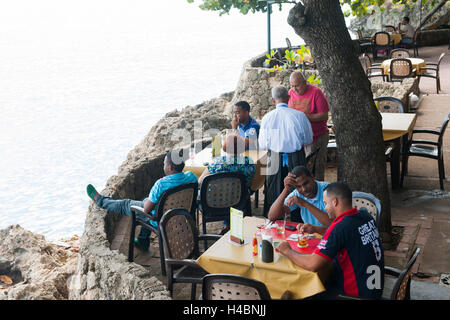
352	243
312	102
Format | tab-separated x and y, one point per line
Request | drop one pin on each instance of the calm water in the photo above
76	76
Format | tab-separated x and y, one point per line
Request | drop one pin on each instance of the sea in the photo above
82	82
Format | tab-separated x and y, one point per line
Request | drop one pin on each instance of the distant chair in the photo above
364	43
399	53
233	287
381	41
389	104
389	28
369	202
372	70
427	149
400	69
432	71
288	42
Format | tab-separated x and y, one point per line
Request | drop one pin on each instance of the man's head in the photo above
304	182
405	20
173	162
337	197
298	82
280	95
233	144
242	111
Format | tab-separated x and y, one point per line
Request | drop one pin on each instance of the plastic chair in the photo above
401	290
399	53
222	286
400	69
389	104
389	28
233	287
381	41
432	71
219	192
427	149
182	196
181	243
368	201
372	70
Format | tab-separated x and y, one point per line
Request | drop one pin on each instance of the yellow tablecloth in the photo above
279	276
259	157
417	63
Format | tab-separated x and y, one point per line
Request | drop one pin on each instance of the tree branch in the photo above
428	16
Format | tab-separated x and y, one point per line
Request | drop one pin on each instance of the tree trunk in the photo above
357	122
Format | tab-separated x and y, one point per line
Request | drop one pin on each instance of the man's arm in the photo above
317	117
278	209
148	206
312	262
320	215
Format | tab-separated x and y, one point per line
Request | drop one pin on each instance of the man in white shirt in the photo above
407	31
284	132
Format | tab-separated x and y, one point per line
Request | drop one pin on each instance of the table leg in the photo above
395	168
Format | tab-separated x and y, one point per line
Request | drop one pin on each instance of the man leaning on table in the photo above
406	30
352	243
284	132
307	196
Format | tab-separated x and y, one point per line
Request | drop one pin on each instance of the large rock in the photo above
38	269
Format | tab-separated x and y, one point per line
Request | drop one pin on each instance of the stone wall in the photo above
434	37
103	273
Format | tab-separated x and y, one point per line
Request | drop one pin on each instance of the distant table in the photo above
278	276
200	161
397	127
417	63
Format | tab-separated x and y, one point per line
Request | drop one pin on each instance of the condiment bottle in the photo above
255	245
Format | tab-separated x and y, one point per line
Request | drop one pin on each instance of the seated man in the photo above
407	31
247	127
307	196
233	161
352	243
173	169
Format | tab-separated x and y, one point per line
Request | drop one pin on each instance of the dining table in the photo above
198	162
397	129
417	63
279	276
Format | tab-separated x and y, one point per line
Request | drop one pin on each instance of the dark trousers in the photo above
274	183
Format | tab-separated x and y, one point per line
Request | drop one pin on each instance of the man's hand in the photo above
289	181
234	123
284	248
305	228
296	200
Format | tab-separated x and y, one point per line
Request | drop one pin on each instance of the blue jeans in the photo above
124	207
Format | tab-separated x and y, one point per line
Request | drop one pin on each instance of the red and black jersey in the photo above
353	243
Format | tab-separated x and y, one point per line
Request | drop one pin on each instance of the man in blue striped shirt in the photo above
173	169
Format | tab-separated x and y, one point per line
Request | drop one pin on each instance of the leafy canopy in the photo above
355	7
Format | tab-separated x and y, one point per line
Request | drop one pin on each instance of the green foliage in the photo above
293	60
356	7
